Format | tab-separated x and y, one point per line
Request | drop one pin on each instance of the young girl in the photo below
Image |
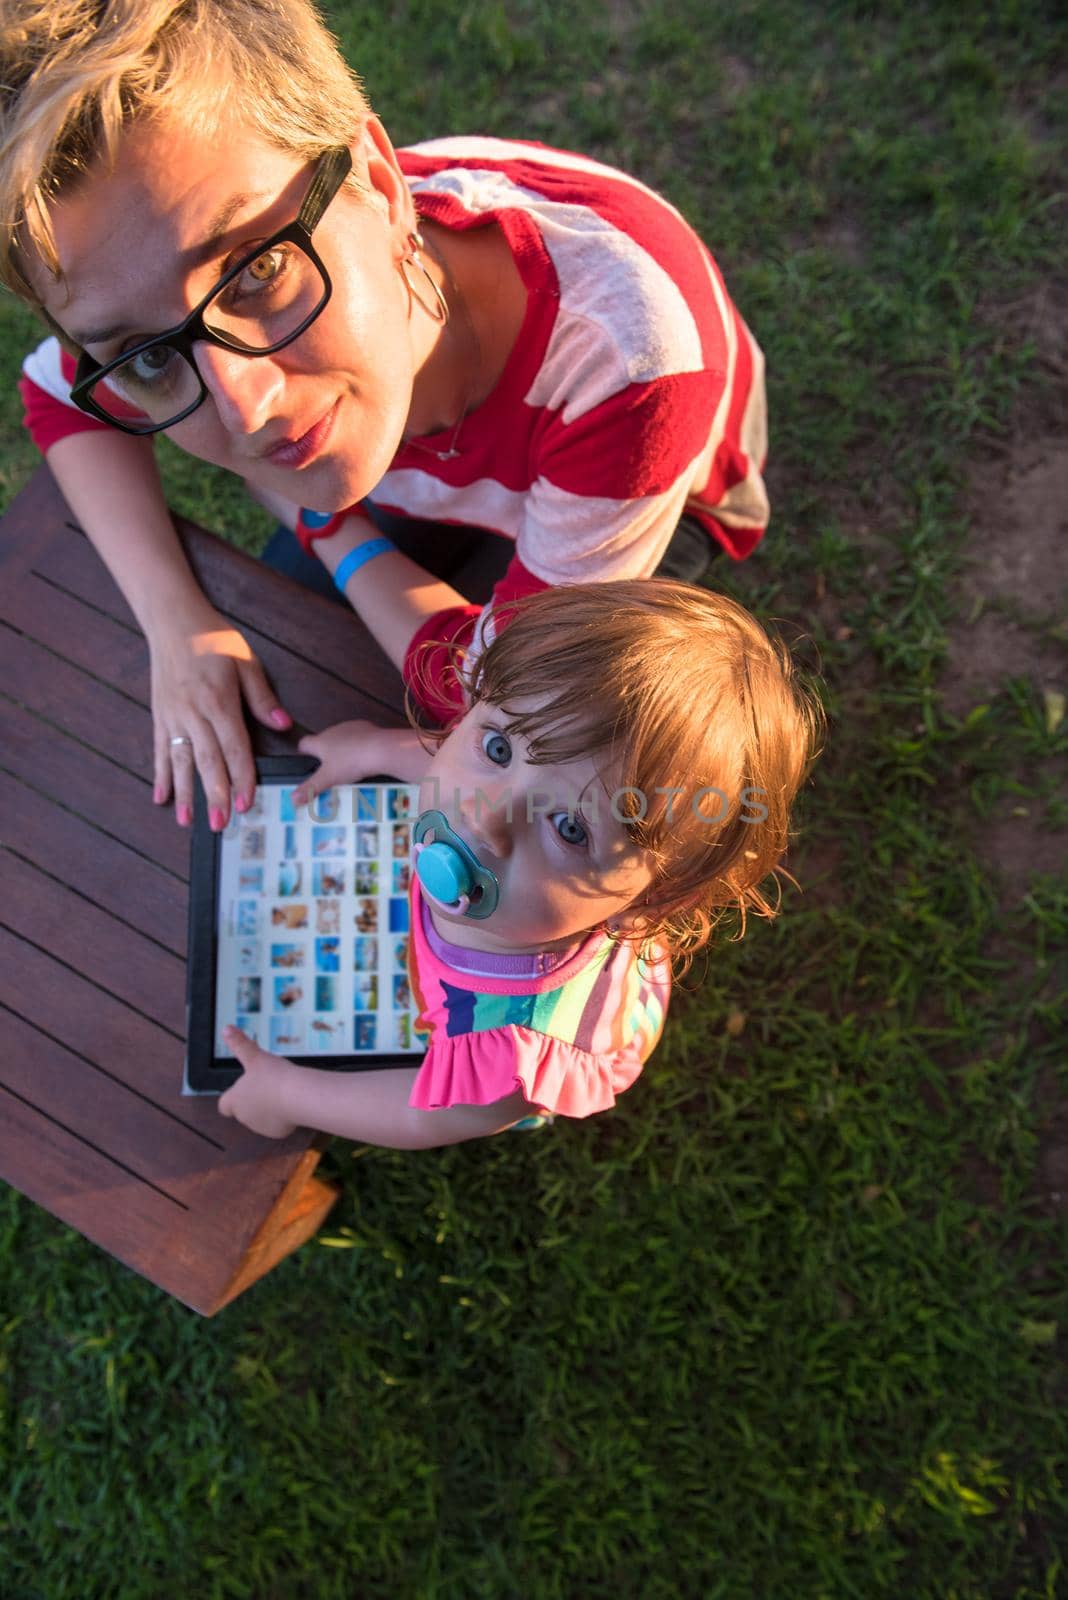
622	774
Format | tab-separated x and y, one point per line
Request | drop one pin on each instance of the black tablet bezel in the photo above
206	1073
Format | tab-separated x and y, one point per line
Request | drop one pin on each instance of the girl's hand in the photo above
347	753
201	670
254	1099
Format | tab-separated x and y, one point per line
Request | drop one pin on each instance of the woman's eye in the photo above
265	268
497	747
149	366
154	359
569	827
264	274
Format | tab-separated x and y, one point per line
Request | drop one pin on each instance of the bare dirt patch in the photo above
1013	623
1013	614
1014	594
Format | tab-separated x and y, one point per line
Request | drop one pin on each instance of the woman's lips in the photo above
298	452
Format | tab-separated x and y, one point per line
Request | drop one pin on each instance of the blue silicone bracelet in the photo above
358	557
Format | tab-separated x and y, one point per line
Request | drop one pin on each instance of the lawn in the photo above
789	1324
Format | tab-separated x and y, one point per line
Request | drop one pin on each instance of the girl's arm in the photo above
351	751
273	1097
201	665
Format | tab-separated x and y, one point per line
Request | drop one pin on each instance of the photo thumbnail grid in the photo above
314	922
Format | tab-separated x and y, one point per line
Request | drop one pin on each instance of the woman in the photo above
484	334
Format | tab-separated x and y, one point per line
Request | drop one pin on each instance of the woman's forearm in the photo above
112	485
391	594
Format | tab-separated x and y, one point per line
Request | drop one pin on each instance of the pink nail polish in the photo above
217	818
185	816
280	718
241	802
157	796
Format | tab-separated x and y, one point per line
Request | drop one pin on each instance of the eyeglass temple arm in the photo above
330	174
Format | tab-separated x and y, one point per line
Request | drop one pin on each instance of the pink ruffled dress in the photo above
570	1028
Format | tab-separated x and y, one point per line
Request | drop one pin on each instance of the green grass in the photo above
789	1323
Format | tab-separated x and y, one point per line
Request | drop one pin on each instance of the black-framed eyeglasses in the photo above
260	304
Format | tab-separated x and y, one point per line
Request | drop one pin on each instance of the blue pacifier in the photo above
449	870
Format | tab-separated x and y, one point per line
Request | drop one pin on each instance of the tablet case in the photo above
205	1073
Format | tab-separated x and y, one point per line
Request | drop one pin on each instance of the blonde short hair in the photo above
74	74
691	695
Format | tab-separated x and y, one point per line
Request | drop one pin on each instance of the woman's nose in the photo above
247	390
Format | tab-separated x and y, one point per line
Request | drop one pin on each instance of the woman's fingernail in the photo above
280	718
241	802
185	816
217	818
157	796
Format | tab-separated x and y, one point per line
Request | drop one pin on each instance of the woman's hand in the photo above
351	751
202	668
255	1099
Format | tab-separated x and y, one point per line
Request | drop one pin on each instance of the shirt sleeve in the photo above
49	413
432	662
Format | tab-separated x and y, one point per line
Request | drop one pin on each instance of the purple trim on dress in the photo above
484	964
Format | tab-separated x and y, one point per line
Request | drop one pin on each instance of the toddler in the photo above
622	775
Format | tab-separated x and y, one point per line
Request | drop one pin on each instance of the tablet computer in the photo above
298	928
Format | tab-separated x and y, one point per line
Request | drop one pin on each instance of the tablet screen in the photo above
309	928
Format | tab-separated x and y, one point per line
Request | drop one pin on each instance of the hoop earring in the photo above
439	309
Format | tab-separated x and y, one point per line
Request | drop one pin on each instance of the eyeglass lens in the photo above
257	310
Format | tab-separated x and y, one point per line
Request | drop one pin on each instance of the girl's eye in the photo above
569	827
497	747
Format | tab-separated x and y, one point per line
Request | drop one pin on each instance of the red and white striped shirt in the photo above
634	391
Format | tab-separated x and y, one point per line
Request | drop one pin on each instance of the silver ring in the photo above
180	738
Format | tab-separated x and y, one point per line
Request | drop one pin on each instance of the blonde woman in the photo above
470	334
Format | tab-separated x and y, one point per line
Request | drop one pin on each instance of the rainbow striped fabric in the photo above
571	1030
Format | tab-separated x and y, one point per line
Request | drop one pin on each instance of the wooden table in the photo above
93	1125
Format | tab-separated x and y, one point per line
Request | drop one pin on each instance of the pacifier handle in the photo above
448	862
459	905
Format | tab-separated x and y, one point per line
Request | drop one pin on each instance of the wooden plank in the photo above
37	515
148	1230
80	633
244	1216
79	780
47	1160
299	1212
100	866
91	1022
94	943
313	693
150	1141
131	1049
86	707
316	633
93	1125
109	649
84	639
